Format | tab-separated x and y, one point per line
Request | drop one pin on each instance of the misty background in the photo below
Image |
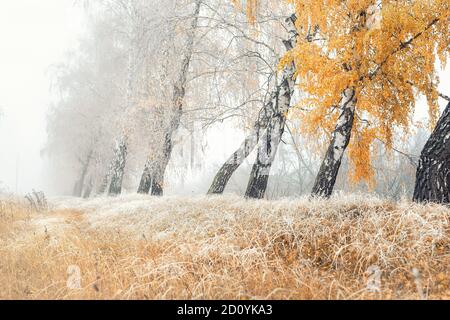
34	37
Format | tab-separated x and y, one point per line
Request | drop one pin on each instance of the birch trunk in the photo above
146	180
79	185
271	139
233	163
266	119
88	190
326	178
101	189
118	167
433	171
267	150
238	157
179	92
157	177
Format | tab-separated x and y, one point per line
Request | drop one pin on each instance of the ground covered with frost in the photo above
139	247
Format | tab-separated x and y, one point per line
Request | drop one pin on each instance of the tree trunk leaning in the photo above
433	171
79	185
179	92
326	178
267	150
233	163
118	167
265	119
270	141
146	179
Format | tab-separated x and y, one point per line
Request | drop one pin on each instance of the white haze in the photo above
34	35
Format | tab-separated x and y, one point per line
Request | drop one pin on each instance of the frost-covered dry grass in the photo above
136	247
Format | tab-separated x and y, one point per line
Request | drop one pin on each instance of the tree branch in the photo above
402	46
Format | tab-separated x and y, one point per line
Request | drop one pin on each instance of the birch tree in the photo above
269	123
82	121
153	175
363	72
433	171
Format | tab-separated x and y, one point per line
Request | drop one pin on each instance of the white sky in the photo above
34	34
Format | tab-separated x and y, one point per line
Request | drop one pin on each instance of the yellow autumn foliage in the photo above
360	157
385	49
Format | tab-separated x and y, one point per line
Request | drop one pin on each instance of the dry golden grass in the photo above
224	248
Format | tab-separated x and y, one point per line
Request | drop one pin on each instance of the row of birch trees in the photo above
151	74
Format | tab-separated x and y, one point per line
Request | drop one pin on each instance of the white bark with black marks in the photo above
326	178
238	157
117	168
271	139
233	163
118	164
80	184
156	175
146	179
268	129
433	171
267	150
88	189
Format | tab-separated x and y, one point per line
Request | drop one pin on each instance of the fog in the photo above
224	149
34	37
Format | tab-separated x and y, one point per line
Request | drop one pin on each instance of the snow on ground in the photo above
226	247
158	218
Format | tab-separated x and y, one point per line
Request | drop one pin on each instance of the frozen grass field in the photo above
135	247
